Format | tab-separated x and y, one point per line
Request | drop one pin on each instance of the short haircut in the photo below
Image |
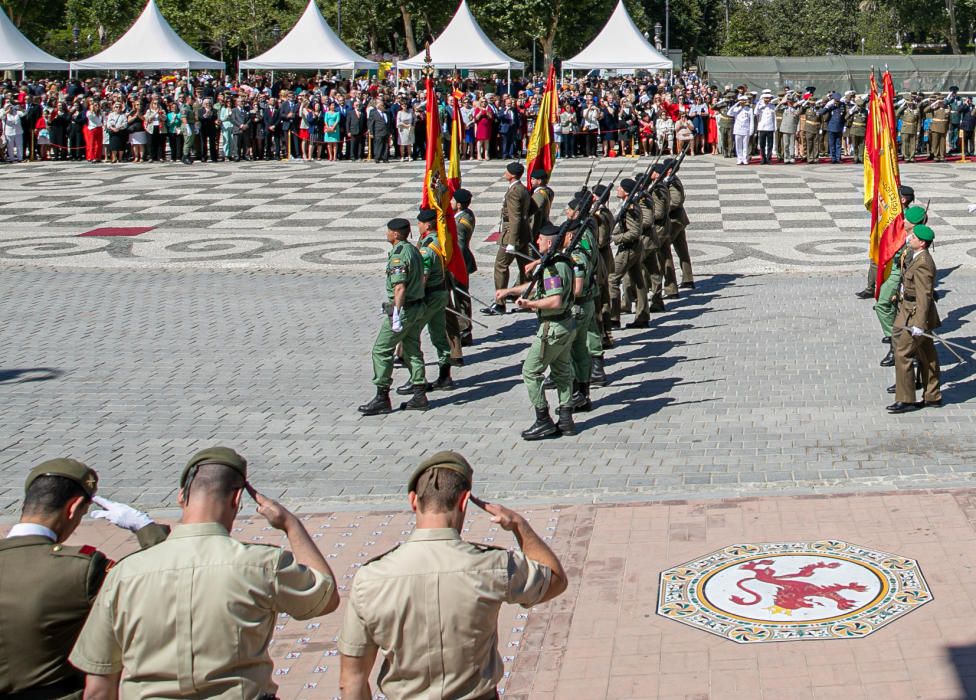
438	490
49	494
216	480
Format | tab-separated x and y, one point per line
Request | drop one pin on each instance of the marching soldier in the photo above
679	224
402	322
604	229
585	258
655	219
938	128
46	587
552	300
515	233
629	260
907	195
911	119
436	298
916	316
542	199
465	220
887	306
857	125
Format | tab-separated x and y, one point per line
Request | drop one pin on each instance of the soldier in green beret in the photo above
47	587
887	305
402	322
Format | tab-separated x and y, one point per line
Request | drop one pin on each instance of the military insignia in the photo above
792	591
550	283
91	482
87	550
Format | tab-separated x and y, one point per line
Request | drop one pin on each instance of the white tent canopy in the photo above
619	45
150	44
18	53
463	44
311	44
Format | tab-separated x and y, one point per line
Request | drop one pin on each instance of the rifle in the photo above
667	179
633	195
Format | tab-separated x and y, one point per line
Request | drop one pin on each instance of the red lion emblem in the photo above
792	595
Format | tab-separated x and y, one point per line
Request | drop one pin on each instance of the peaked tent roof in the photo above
463	44
310	44
619	45
150	44
18	53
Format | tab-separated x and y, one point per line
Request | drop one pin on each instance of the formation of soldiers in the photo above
568	274
808	127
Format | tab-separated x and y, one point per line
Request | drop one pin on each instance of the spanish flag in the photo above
871	139
889	230
542	143
437	192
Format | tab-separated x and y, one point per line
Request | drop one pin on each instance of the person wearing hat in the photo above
431	604
910	121
604	219
542	199
886	307
679	239
585	259
725	124
434	318
742	128
907	196
788	116
552	300
832	117
655	207
811	130
765	114
465	221
46	586
628	262
515	233
938	111
195	617
857	127
916	315
402	322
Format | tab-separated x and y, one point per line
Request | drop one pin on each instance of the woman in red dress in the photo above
712	130
482	129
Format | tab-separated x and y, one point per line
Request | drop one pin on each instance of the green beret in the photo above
923	233
916	215
214	455
539	174
67	468
462	196
425	216
398	225
445	459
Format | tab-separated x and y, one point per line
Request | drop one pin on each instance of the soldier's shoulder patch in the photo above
380	556
87	550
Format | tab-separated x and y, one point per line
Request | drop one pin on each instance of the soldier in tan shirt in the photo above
194	618
430	606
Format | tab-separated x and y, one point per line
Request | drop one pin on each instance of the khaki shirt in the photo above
194	617
431	609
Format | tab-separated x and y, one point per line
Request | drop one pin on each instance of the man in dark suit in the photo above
378	124
289	116
29	121
272	129
356	127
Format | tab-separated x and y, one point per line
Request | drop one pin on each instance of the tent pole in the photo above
509	80
396	67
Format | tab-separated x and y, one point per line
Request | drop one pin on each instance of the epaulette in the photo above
380	556
85	551
486	547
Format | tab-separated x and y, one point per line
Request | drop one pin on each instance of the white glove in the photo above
509	248
121	515
916	331
396	323
972	208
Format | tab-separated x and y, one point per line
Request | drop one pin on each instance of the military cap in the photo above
659	168
916	215
906	192
462	196
668	163
214	455
550	230
628	184
398	225
598	190
426	215
923	233
539	174
810	88
446	459
577	201
516	169
743	98
953	88
67	468
781	93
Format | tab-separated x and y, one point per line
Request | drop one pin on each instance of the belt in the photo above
46	692
413	302
908	297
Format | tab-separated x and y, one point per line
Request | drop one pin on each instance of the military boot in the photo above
598	375
379	404
418	401
581	398
542	428
444	381
565	424
406	389
889	359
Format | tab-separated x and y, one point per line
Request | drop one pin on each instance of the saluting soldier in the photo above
725	124
47	588
515	233
465	220
811	131
542	199
431	604
938	128
911	119
552	300
887	305
916	315
629	260
402	322
857	128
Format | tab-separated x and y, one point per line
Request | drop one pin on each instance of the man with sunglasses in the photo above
195	619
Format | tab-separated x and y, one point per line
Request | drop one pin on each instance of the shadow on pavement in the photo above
33	374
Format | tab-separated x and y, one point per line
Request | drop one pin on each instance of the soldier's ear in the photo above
412	497
74	505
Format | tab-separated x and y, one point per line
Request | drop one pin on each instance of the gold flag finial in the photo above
428	62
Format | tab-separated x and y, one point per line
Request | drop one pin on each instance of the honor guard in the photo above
679	240
403	314
47	587
465	220
603	218
584	258
907	195
887	306
628	261
542	199
655	208
515	233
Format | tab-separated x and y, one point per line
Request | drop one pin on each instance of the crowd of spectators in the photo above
209	118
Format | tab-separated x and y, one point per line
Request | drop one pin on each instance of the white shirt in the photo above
743	119
766	116
28	529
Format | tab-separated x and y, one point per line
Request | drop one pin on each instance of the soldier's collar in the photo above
198	530
433	534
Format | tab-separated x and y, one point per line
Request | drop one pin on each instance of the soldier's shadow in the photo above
964	660
27	375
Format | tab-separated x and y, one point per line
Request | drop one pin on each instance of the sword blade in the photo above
469	296
466	318
946	343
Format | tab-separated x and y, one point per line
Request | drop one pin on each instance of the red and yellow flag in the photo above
542	144
871	139
887	219
437	192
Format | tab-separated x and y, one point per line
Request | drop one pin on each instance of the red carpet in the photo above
124	231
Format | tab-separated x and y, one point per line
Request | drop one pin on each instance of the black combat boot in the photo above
565	424
598	375
542	428
379	404
581	398
889	359
405	389
444	381
418	401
